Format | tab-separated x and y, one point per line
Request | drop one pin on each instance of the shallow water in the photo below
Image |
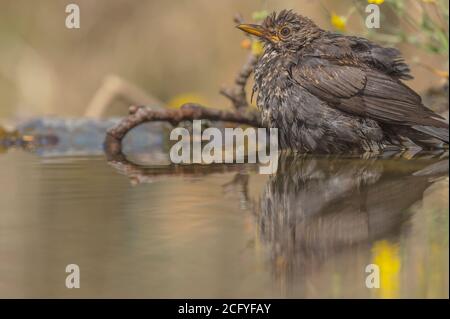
225	231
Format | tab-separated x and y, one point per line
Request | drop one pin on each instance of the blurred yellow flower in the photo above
180	99
375	1
441	73
257	47
338	22
387	256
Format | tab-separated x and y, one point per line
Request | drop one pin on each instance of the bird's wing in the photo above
387	60
363	91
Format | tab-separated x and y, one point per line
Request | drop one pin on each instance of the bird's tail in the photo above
428	136
440	133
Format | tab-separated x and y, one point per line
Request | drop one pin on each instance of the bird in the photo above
327	92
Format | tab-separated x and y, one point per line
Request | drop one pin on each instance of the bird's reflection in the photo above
314	208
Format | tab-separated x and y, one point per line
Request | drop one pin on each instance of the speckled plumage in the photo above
329	93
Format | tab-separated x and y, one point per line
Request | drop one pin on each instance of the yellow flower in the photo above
441	73
257	47
189	97
375	1
338	22
387	256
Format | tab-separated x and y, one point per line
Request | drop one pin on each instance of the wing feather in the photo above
363	91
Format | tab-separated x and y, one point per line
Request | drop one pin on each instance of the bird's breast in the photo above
271	82
271	71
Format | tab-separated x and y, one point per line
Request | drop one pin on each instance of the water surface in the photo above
225	231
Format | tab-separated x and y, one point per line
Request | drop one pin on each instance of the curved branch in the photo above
187	112
236	94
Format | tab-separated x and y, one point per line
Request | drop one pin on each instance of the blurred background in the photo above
213	234
177	51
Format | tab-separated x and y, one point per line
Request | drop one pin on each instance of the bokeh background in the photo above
193	237
174	50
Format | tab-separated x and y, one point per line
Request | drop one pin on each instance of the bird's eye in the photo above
285	32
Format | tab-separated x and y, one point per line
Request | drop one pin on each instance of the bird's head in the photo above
286	31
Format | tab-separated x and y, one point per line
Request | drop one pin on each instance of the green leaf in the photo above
260	15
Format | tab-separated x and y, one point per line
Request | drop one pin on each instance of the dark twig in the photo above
236	94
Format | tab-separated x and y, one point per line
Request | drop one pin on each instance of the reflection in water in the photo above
387	256
315	208
223	230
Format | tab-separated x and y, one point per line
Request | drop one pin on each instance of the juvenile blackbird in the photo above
328	93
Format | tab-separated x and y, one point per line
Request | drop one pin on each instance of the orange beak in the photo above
258	31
